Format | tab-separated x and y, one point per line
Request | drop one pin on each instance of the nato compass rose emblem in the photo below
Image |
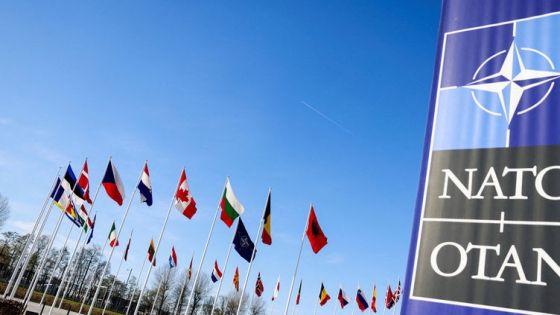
512	82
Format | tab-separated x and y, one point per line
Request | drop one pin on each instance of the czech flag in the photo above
216	273
173	258
342	298
361	300
145	187
113	184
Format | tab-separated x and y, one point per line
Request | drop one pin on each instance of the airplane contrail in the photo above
332	121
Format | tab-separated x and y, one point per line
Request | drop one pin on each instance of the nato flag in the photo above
243	244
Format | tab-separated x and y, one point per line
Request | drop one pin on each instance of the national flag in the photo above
173	258
127	248
259	286
298	296
113	241
145	186
361	300
389	300
374	300
152	252
323	296
70	183
83	181
83	215
189	272
231	207
184	201
276	289
216	273
397	293
266	234
92	228
242	242
343	298
316	237
236	279
113	184
57	195
71	213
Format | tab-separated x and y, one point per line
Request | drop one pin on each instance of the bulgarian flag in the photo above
231	207
113	241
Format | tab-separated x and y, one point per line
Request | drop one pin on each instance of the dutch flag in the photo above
173	258
216	273
145	186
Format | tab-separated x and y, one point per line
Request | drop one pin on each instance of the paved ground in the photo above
35	307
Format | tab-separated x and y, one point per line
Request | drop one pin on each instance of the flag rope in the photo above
41	263
204	252
32	237
79	256
297	264
55	233
96	294
225	270
134	290
252	255
114	279
58	260
157	247
180	299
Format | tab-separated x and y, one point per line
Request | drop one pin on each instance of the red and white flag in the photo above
184	201
276	289
83	181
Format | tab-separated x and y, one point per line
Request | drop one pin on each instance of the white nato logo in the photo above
512	81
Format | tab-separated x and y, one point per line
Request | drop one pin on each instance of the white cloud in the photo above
21	226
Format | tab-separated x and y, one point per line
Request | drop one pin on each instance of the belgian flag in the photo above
266	234
323	296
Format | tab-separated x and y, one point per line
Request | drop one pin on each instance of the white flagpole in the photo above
32	237
81	249
41	263
252	255
58	260
114	279
157	246
297	263
65	272
385	301
334	302
395	306
204	253
185	281
53	236
96	294
90	285
75	268
134	290
316	306
157	293
225	270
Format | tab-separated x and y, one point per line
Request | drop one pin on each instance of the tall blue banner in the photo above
486	234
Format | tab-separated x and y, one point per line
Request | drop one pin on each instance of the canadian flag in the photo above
184	201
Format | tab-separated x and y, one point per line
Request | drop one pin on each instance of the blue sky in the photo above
324	102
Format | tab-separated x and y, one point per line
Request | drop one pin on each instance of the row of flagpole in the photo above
39	225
